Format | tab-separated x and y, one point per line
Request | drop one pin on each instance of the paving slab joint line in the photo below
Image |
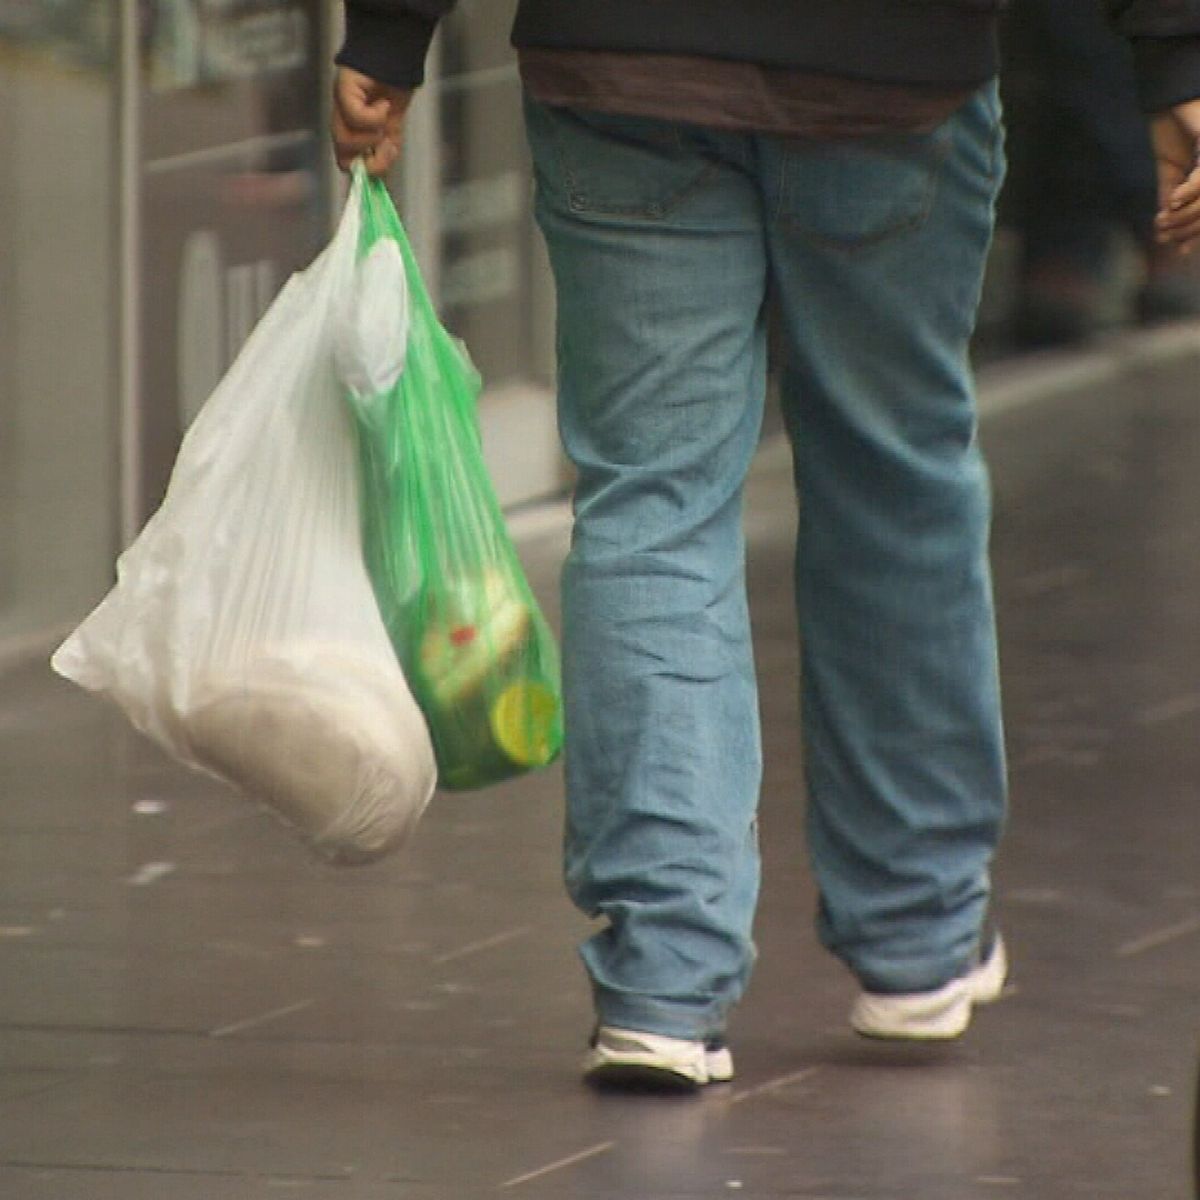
1159	937
774	1085
762	1089
559	1164
261	1019
488	943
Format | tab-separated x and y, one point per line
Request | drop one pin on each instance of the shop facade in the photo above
167	169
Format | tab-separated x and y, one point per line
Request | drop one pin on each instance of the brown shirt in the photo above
732	95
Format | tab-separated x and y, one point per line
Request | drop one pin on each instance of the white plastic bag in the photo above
370	340
242	634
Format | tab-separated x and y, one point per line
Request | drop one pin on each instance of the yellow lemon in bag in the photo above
526	723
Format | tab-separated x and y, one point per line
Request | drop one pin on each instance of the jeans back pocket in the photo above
610	165
856	194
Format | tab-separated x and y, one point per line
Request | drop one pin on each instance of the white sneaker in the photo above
627	1058
938	1015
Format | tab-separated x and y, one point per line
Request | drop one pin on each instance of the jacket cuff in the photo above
1168	71
387	46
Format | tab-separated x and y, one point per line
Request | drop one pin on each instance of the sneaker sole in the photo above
650	1063
640	1077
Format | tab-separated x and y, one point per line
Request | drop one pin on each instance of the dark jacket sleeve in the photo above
1166	45
388	39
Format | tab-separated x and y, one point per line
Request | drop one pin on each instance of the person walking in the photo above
1082	181
692	158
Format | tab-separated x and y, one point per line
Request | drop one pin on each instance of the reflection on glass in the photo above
77	33
491	291
190	43
57	283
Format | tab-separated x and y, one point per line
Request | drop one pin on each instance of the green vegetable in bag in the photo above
476	649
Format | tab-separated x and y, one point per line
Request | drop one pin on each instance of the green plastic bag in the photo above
475	647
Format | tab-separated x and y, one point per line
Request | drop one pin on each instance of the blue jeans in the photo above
665	240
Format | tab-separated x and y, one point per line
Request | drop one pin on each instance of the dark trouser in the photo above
1079	149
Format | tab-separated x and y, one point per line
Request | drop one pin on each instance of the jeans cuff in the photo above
646	1014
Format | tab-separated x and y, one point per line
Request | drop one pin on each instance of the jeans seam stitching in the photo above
578	201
